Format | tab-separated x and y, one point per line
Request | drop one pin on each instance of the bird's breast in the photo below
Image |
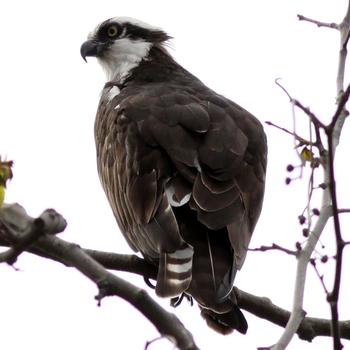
130	191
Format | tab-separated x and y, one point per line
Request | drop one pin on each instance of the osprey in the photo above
183	167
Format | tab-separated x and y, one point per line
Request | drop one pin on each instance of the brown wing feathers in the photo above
183	190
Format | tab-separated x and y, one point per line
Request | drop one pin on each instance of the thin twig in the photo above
319	143
318	23
277	82
149	342
317	122
302	141
320	277
298	104
274	246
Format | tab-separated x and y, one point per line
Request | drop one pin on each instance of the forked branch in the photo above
329	201
108	284
93	264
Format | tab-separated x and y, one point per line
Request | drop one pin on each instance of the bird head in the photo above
120	43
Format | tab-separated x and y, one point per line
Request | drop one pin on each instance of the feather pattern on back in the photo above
184	170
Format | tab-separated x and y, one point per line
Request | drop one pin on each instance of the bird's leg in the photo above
175	302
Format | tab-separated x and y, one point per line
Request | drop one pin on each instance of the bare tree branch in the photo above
344	28
92	263
334	295
308	329
298	314
49	222
333	135
166	323
343	99
329	203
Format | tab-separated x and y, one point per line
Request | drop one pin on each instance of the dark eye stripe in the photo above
136	32
109	31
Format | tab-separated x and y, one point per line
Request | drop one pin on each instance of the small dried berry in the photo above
324	259
290	167
305	232
301	219
316	212
288	180
298	246
315	163
323	186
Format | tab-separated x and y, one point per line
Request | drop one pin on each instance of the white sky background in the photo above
48	101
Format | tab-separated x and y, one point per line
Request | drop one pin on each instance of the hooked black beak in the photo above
91	48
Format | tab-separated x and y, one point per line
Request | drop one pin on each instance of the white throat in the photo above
122	56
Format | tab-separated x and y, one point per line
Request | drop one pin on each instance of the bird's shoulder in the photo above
190	121
187	102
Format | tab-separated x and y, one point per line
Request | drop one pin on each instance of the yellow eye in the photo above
112	31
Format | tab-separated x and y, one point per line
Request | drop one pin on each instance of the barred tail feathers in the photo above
175	272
